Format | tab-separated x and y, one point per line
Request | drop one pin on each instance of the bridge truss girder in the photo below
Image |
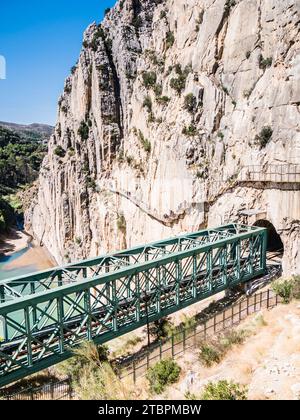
40	329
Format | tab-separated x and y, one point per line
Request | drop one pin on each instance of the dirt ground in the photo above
268	362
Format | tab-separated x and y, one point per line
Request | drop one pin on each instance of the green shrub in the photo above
264	62
71	151
129	160
147	103
83	130
121	223
213	351
162	374
247	93
151	119
285	289
224	390
200	17
296	287
155	60
190	103
68	89
209	354
145	142
92	376
158	90
7	215
178	83
163	100
170	39
225	90
78	240
91	183
264	136
149	79
231	338
101	384
190	131
87	353
60	151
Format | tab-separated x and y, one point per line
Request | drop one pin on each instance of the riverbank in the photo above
14	241
35	256
20	255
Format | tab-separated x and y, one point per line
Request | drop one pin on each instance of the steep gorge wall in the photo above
167	98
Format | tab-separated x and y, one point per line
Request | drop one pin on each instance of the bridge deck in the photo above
46	314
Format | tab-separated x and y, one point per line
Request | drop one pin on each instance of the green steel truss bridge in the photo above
44	315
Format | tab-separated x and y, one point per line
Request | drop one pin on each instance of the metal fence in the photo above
137	365
288	173
61	390
190	338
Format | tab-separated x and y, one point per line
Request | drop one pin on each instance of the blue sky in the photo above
41	41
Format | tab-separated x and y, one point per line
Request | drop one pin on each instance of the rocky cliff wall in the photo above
168	102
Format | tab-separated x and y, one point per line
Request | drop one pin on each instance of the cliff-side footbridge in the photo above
44	315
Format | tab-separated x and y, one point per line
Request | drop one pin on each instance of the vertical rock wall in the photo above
168	102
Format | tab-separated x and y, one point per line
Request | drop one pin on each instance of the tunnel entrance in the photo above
274	242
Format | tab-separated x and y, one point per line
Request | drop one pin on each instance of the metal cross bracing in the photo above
44	315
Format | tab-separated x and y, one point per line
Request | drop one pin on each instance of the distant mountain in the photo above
39	132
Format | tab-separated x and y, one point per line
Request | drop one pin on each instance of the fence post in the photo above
215	323
134	372
160	350
70	390
172	341
195	335
260	300
183	343
205	327
240	311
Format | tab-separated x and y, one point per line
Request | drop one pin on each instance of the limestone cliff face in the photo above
169	101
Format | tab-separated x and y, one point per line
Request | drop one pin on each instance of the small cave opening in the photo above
274	242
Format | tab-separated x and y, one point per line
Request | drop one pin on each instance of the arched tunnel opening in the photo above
275	247
274	242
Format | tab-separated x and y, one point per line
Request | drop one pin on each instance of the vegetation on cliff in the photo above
20	160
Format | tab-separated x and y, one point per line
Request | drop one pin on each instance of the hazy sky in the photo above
40	41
